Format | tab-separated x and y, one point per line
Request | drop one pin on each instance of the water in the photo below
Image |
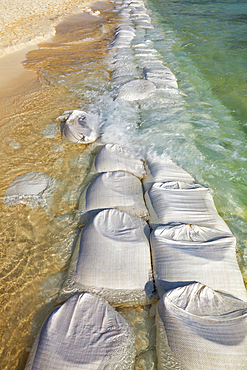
203	129
205	46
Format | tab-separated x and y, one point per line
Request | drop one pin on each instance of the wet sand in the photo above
36	246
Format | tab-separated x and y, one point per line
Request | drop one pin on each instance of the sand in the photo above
28	22
35	248
23	24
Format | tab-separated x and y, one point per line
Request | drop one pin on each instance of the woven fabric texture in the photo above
160	170
182	202
84	333
115	189
180	258
113	157
205	329
113	257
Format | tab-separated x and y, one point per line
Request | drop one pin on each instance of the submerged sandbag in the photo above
183	254
84	333
81	128
35	188
136	90
160	170
203	328
178	201
113	258
114	157
117	189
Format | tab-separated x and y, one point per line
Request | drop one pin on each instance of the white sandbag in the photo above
183	254
81	128
161	76
113	258
158	71
115	189
144	25
121	43
160	170
136	90
114	157
161	82
122	39
123	27
35	188
84	333
205	329
125	13
178	201
125	71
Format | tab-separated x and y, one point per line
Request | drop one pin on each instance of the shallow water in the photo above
202	129
36	246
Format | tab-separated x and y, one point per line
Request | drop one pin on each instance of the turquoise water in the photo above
202	128
205	46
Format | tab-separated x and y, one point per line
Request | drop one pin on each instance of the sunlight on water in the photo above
194	127
35	246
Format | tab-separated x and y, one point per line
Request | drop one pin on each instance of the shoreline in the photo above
16	79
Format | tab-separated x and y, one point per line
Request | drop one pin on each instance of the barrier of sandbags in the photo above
204	329
84	333
113	259
136	90
114	157
116	189
183	202
183	254
122	39
81	128
160	170
161	75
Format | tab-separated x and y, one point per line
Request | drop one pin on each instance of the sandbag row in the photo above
137	67
84	333
112	258
202	313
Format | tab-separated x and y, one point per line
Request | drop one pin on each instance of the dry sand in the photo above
23	24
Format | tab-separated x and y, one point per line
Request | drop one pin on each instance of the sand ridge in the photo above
25	22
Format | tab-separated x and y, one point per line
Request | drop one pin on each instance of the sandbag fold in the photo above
116	189
113	259
84	333
183	254
114	157
183	202
204	329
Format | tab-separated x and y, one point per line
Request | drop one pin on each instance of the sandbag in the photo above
34	188
123	38
178	201
204	329
124	70
136	90
183	254
117	189
81	128
84	333
160	170
114	157
126	28
113	258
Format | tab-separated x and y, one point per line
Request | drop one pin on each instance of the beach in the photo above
34	248
56	57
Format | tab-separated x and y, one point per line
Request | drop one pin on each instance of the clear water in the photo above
203	129
205	45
